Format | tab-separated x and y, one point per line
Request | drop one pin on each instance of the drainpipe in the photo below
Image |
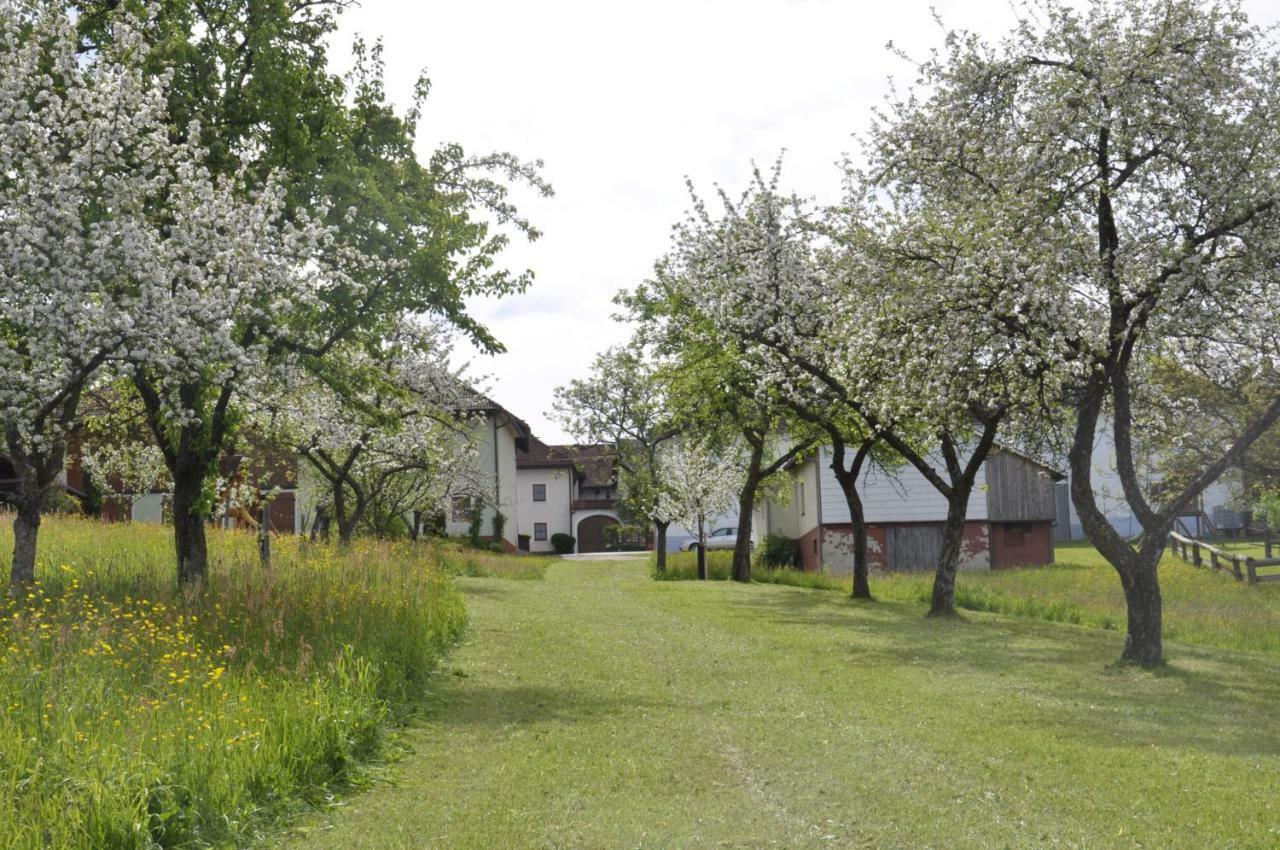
817	500
497	486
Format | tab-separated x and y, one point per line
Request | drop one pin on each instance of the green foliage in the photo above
499	525
779	551
434	524
562	543
59	501
623	403
190	720
257	77
475	521
1268	504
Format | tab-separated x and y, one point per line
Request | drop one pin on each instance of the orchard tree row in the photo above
205	234
1071	229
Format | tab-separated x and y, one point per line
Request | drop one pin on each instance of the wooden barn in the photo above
1010	518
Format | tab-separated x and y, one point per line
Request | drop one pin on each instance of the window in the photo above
461	508
539	492
539	531
1016	534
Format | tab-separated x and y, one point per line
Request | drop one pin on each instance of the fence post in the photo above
1195	555
1253	570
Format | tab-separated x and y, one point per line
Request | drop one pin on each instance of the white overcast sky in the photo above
622	101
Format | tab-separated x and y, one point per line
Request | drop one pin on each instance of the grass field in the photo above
600	709
1200	606
137	717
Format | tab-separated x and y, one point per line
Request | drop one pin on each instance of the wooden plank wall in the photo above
1018	490
914	548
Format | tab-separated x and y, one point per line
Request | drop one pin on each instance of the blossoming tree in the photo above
85	158
316	206
698	485
1125	156
858	340
382	429
715	382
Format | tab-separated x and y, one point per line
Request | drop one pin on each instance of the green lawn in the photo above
1201	606
600	709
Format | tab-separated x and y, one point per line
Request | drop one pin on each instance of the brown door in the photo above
591	536
915	548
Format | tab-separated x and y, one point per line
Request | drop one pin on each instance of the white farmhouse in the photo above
498	435
568	490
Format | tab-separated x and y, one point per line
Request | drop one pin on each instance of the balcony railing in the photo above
592	504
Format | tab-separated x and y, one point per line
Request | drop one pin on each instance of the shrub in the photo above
499	525
562	543
780	551
683	566
136	716
475	516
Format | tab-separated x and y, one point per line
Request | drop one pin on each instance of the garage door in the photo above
914	548
591	536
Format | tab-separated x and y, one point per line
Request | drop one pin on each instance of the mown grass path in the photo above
598	709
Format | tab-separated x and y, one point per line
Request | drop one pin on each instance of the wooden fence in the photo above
1244	568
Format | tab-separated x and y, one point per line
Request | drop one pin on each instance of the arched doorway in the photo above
591	533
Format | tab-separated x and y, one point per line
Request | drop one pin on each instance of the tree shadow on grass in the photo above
467	704
487	587
1206	699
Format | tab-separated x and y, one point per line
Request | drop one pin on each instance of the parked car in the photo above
721	538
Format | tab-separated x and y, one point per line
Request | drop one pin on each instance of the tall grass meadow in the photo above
138	716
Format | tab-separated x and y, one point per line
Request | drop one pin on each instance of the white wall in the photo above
508	497
490	445
1219	499
149	508
902	496
554	511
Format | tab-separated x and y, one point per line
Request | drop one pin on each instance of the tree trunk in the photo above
702	550
264	536
26	528
746	507
320	525
858	521
416	528
346	530
660	545
188	528
848	480
1143	645
944	579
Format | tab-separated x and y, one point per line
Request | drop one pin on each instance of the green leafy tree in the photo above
623	403
250	81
